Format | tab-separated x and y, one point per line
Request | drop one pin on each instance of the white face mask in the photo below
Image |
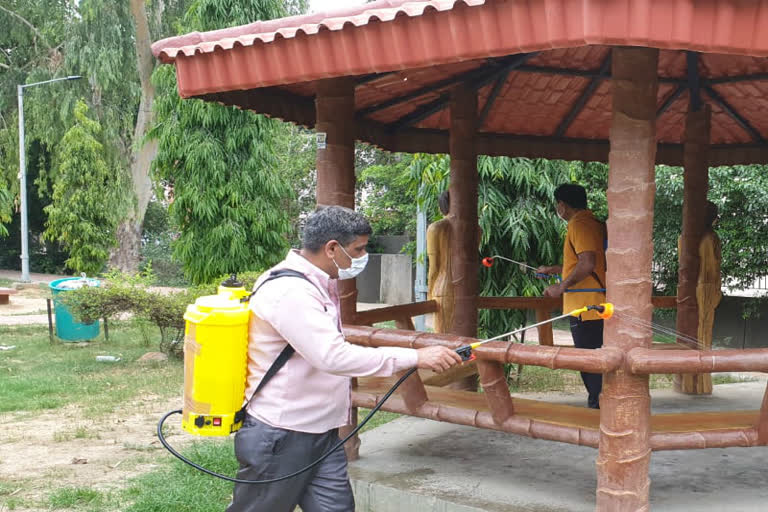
357	266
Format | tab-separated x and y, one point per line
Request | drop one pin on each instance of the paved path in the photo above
15	275
417	464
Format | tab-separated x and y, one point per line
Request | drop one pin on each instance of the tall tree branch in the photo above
27	23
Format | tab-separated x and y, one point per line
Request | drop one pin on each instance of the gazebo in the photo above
631	83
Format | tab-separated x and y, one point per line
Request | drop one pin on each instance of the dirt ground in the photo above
26	307
41	451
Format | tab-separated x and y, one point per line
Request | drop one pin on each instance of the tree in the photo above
31	39
229	204
82	216
385	196
108	43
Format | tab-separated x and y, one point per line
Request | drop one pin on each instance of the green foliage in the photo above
156	238
129	293
295	152
740	192
82	215
156	220
6	202
389	203
230	206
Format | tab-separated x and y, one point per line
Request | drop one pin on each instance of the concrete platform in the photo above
420	465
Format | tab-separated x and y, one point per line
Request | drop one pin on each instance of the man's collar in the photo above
296	261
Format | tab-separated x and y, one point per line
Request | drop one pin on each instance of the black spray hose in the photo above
286	477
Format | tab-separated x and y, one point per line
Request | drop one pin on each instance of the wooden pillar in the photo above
465	241
695	188
762	421
335	121
624	452
464	178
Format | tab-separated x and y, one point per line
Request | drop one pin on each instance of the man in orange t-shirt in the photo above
583	272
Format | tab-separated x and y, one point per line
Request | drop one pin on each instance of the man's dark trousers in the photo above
589	334
266	452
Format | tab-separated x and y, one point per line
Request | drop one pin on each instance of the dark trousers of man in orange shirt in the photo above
589	334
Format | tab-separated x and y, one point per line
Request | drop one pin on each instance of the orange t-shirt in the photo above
585	233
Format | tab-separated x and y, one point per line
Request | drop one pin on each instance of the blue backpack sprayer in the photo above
215	367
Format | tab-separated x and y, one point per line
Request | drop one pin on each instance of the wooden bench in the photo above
668	431
5	295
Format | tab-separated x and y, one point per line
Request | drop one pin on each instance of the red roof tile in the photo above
406	54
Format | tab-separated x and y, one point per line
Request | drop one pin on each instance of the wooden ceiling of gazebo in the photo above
534	101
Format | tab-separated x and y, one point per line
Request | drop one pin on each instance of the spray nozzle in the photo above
488	262
466	353
604	311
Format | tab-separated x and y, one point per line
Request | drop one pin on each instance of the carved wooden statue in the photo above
439	278
708	296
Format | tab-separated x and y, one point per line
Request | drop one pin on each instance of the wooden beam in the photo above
421	113
499	65
676	92
450	376
645	361
735	79
475	82
364	79
588	73
373	316
519	303
694	81
492	96
740	120
272	101
277	103
586	94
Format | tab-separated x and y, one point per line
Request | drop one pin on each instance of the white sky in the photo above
321	5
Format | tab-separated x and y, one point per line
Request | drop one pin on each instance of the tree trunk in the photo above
126	255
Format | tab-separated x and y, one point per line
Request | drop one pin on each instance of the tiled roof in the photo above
545	64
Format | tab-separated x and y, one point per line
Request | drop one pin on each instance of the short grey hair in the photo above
328	223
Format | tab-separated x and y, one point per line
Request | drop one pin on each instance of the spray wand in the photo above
488	262
604	311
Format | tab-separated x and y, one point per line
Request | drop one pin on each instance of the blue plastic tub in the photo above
66	327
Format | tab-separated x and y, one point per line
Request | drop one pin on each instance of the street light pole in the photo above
23	176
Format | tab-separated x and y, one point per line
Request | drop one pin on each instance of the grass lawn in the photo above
87	402
39	378
37	375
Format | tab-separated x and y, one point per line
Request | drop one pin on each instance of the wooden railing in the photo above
495	409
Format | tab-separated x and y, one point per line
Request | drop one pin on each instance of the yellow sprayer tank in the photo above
215	360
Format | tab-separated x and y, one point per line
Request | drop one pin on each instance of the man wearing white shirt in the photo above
295	419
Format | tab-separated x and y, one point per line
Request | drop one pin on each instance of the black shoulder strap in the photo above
285	354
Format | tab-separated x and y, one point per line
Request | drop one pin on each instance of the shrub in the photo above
123	293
